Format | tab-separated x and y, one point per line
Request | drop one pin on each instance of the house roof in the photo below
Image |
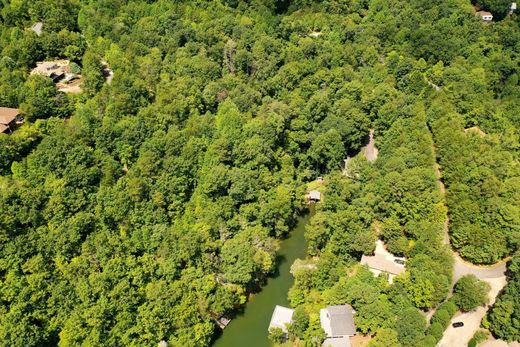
382	260
484	13
3	128
338	320
7	115
51	68
379	263
314	195
281	316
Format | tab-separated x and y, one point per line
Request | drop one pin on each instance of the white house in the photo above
338	324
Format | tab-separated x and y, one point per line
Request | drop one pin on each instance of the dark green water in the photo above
249	329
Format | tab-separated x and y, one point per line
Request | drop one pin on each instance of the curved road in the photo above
461	268
494	275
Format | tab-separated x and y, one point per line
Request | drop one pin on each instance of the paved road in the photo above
492	342
494	275
462	268
459	337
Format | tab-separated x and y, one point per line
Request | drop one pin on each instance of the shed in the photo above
314	195
338	321
281	317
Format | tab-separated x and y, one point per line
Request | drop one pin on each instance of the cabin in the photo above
282	316
383	262
314	196
485	16
338	324
9	118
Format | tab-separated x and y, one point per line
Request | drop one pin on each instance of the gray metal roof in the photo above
341	320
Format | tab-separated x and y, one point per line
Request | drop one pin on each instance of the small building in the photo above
338	324
55	70
485	16
37	28
280	318
9	118
512	9
314	196
383	262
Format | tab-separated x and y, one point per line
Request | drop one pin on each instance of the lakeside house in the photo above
485	16
338	324
282	316
9	119
383	262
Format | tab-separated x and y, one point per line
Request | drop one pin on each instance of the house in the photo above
280	318
486	16
55	70
314	196
338	324
9	118
37	28
383	262
513	8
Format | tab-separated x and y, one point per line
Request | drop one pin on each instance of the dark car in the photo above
457	324
399	261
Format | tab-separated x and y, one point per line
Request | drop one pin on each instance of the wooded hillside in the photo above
147	206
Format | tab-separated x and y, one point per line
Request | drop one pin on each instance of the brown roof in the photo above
3	128
484	13
7	115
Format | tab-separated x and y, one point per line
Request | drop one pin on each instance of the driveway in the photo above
370	151
459	337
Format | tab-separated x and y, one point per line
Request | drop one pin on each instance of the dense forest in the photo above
143	209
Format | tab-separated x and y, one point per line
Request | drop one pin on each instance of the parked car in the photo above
399	261
457	324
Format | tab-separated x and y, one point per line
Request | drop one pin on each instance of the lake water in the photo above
249	328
